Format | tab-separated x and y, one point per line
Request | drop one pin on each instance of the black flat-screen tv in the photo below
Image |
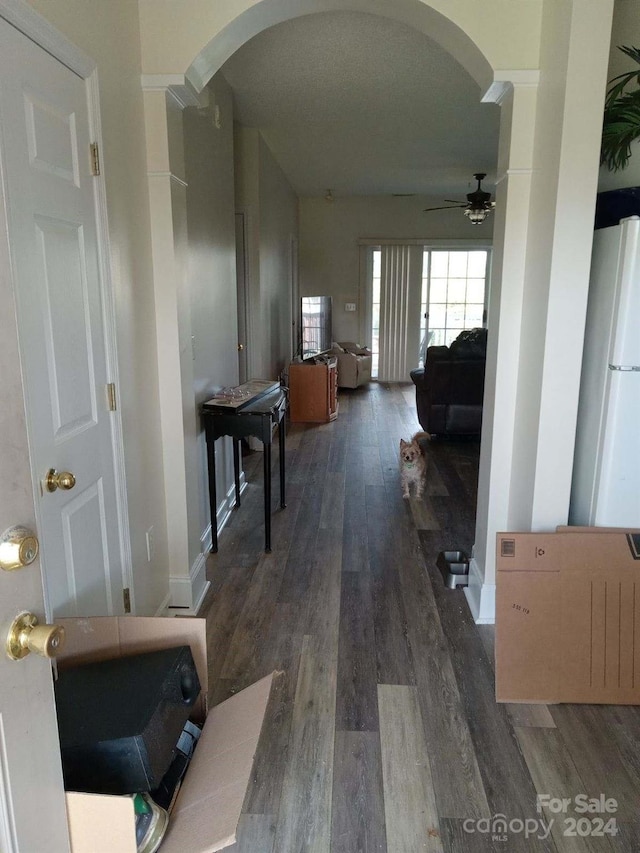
315	325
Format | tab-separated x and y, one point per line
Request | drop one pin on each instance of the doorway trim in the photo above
27	21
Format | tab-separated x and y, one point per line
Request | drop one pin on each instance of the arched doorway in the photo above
534	347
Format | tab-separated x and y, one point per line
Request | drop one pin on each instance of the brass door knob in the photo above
26	635
240	347
59	480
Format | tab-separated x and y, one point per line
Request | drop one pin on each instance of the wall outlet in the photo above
150	544
349	306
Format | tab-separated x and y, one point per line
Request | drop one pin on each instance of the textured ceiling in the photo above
365	106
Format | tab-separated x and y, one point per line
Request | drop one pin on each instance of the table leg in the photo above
267	496
236	467
281	438
213	501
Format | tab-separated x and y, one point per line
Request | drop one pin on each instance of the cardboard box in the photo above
205	815
568	617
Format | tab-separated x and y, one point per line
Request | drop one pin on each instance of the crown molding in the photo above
177	86
505	81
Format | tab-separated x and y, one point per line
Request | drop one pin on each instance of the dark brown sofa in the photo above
450	387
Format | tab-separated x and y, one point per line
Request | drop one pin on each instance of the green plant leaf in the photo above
621	126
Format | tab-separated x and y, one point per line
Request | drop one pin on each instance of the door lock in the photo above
26	635
64	480
18	548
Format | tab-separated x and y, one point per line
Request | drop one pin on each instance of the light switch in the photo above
350	306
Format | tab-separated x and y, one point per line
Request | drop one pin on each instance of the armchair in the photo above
354	364
450	387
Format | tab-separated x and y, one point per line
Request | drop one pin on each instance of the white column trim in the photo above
481	596
178	87
504	81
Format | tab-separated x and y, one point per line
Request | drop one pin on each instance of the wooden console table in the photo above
257	414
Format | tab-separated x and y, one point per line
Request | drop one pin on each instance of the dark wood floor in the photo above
382	732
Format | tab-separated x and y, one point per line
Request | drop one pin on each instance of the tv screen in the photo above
315	325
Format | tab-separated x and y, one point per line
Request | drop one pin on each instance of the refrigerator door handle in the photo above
626	368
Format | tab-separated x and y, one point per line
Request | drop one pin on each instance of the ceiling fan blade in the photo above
449	207
454	201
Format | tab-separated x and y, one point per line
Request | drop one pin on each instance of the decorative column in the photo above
165	98
516	93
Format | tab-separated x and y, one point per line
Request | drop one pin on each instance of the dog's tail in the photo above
421	435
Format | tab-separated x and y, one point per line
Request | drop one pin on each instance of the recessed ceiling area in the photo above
364	105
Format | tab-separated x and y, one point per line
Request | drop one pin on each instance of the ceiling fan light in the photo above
476	214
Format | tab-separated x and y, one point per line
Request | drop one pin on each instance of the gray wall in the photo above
330	253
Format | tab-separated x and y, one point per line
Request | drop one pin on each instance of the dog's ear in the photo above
403	443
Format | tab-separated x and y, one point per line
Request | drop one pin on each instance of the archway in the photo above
517	477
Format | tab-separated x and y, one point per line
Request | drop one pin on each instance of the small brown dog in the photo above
413	464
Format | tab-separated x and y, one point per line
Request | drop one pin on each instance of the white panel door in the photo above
32	806
50	202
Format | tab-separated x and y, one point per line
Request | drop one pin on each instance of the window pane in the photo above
474	316
477	265
423	297
439	264
458	264
475	290
376	290
438	338
438	291
377	257
457	290
455	316
375	316
450	336
437	316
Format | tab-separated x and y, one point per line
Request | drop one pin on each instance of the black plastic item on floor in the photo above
119	720
454	566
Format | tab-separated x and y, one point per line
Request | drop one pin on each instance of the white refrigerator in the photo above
606	475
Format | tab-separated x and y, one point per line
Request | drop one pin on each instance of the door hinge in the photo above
111	396
126	597
95	159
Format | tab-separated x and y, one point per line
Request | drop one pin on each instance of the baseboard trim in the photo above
481	596
186	594
164	607
224	512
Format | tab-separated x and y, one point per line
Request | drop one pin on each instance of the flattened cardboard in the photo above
210	800
206	813
101	823
567	617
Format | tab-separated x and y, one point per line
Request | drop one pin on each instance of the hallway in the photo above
382	731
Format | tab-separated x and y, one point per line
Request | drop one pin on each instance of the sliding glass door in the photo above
453	295
419	297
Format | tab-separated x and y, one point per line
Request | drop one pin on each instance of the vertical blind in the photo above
400	290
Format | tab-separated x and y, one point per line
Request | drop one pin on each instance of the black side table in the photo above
258	416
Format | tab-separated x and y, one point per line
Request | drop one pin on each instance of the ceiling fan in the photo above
478	204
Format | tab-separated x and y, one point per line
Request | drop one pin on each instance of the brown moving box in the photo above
567	617
205	815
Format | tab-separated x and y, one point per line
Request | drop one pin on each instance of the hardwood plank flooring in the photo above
382	732
411	814
358	824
